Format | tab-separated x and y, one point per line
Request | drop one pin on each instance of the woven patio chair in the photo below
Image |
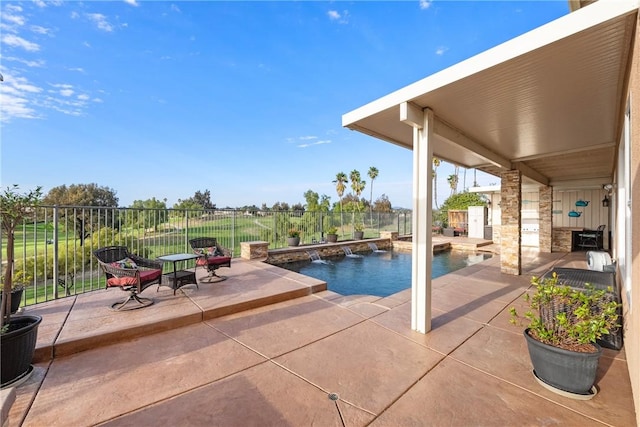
212	255
130	273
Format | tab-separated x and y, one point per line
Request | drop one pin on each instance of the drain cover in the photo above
333	396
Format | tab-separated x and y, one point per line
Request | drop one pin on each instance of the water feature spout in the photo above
349	254
374	248
314	256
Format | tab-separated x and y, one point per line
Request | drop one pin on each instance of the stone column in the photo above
258	250
391	235
545	215
510	239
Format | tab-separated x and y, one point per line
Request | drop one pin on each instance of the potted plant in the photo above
293	237
17	289
563	326
332	234
18	334
358	231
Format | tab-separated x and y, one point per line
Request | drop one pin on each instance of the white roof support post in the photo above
422	252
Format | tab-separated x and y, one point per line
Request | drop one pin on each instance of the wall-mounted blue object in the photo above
582	203
574	214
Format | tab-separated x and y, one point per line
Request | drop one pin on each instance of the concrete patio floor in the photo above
269	347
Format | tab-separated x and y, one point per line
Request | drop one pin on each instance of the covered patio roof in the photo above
549	103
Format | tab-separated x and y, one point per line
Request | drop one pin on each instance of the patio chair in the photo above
130	273
591	239
212	255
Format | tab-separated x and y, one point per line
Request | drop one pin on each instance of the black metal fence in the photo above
54	249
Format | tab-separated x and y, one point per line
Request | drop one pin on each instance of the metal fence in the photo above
54	249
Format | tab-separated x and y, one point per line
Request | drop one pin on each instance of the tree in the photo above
436	163
147	213
459	201
453	183
298	208
382	204
14	207
204	200
325	203
280	206
357	185
83	195
313	201
373	174
341	185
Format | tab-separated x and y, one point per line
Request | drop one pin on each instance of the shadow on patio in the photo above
271	347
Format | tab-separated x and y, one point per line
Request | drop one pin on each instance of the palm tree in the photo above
373	174
453	183
357	185
436	163
341	185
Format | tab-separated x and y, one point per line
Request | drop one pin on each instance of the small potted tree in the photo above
358	231
563	326
18	334
293	237
332	234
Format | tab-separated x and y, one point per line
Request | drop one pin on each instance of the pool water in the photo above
379	273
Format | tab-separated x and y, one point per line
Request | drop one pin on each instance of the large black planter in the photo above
17	348
570	371
16	299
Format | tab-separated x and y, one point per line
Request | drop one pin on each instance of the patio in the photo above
269	347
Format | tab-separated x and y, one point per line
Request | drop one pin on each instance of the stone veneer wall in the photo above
561	240
510	237
545	218
256	250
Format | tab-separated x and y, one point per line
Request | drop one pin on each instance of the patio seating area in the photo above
269	346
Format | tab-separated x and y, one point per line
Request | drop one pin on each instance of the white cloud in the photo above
14	98
101	21
65	90
13	19
16	41
13	8
40	30
19	98
342	18
132	2
425	4
320	142
441	50
36	63
175	8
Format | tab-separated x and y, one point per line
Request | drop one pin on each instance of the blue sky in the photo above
244	99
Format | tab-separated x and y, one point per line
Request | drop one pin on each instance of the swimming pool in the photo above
379	273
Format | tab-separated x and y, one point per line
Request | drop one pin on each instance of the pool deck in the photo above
270	347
